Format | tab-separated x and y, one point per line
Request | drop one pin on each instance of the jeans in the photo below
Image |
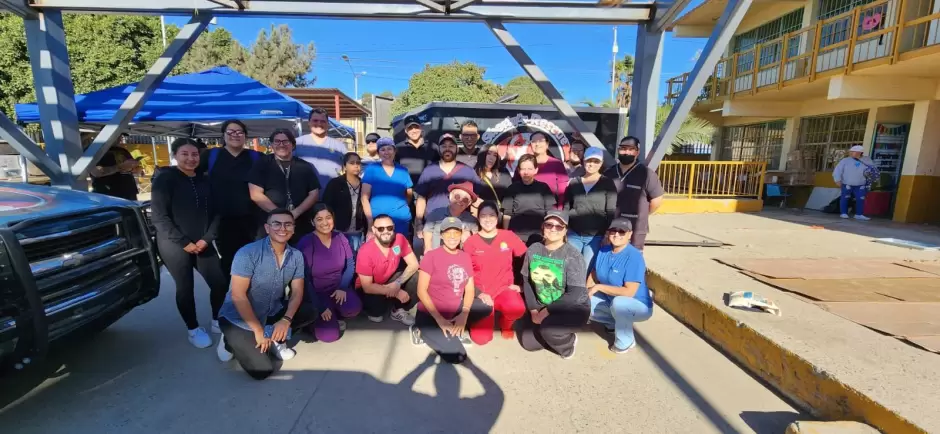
859	192
588	245
620	313
356	239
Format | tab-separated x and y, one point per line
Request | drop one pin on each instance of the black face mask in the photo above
626	158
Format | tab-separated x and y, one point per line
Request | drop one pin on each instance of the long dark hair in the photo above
480	167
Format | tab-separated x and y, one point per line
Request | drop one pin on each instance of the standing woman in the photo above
527	201
553	279
343	195
186	228
551	170
591	202
329	268
494	177
493	251
387	189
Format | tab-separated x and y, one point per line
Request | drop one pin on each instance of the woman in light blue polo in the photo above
617	286
386	189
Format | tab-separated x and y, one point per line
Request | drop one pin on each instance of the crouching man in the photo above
254	319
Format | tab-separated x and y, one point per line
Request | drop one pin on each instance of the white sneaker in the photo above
574	347
861	217
845	216
224	355
403	316
215	327
377	319
283	352
199	338
613	348
342	325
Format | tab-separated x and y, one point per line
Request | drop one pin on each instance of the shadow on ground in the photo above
875	228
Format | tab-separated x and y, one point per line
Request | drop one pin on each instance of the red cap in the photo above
466	186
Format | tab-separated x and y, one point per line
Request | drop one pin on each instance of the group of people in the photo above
542	247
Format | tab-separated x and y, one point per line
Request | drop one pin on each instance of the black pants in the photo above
180	265
556	332
449	347
378	305
234	233
241	343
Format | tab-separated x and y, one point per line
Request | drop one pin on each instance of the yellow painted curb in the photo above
813	390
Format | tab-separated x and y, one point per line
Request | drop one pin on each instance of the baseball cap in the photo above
372	137
451	223
557	214
447	136
384	141
857	148
622	224
412	120
594	153
465	186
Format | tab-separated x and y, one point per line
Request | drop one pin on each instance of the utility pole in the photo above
355	78
613	68
163	30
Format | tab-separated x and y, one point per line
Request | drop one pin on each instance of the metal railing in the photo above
869	35
713	179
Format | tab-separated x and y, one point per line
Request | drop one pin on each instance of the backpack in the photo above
214	156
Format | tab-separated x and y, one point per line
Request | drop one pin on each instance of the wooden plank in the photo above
907	329
927	267
929	343
827	290
826	268
881	312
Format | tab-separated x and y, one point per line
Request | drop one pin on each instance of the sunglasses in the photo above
553	227
381	229
620	232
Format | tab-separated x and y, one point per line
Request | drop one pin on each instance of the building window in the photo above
838	31
826	138
788	23
754	142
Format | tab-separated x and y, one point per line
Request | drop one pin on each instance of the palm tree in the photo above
693	129
624	75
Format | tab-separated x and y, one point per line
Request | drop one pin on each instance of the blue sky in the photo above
575	57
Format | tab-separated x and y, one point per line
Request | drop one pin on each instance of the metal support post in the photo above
52	78
666	12
28	149
647	69
145	88
724	29
542	81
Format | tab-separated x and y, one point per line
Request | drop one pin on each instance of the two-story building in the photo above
820	76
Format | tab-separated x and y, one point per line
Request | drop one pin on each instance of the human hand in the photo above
402	296
201	246
445	325
392	288
327	315
539	316
261	342
339	295
191	248
420	234
838	184
460	324
515	288
486	299
280	330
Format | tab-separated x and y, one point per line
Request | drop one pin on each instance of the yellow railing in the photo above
869	35
713	179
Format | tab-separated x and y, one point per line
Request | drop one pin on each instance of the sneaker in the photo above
403	316
222	352
199	338
215	327
573	348
465	338
861	217
845	216
342	325
613	348
416	338
508	334
376	319
283	352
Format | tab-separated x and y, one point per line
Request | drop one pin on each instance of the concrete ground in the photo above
142	376
903	378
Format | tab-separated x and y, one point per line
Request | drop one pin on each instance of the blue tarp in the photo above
206	97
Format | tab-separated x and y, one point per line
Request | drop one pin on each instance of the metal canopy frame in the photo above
67	165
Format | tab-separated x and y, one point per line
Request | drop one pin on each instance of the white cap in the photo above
857	148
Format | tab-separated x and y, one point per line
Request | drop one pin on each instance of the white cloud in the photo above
696	56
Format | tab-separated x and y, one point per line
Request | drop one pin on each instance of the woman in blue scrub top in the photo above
386	189
617	286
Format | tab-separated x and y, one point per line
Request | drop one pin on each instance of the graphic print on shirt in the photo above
458	277
548	278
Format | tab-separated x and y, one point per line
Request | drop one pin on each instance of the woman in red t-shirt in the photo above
496	283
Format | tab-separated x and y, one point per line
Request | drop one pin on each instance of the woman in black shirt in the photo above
186	230
494	178
591	202
527	201
344	195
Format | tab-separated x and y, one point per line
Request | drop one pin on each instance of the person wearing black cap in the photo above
372	149
415	153
448	304
553	279
639	191
617	286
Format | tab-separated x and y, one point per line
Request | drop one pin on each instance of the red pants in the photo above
510	306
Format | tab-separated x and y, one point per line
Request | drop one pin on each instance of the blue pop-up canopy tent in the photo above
195	105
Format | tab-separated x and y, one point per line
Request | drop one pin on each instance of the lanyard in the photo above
487	180
624	175
286	172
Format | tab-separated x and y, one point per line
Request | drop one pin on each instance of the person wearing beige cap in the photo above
854	176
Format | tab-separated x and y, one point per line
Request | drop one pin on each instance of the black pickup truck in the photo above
70	262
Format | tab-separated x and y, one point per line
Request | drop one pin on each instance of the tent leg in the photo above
145	88
28	149
704	67
646	76
55	95
542	81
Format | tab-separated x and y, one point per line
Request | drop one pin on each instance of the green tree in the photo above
693	129
213	48
624	85
277	61
16	80
455	81
528	91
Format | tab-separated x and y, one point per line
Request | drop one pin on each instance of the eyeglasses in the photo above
281	142
553	227
381	229
616	231
234	133
288	226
